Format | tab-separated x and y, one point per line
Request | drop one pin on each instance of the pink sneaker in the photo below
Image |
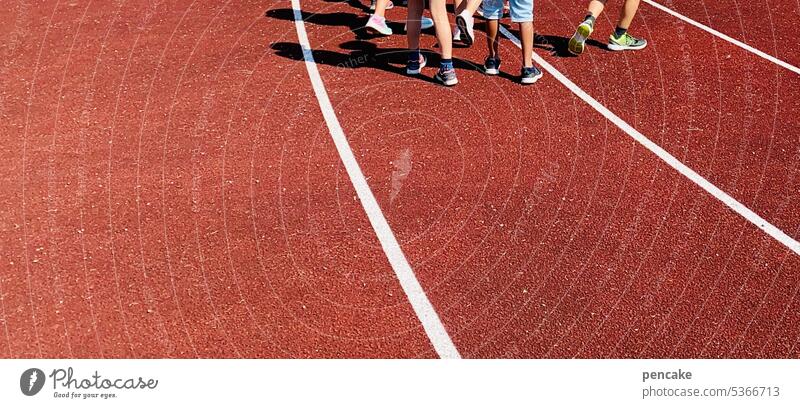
378	24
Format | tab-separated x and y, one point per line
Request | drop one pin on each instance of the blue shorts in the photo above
521	10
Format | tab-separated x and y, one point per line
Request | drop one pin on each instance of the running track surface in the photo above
170	188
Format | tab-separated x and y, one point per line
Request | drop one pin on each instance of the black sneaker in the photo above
530	75
415	67
491	66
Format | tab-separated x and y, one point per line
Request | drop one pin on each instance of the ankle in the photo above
446	64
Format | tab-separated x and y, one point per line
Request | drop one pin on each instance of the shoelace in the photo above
629	39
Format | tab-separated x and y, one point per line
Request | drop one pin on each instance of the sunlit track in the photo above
724	197
416	295
253	180
725	37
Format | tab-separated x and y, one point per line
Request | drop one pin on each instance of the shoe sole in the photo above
531	80
491	71
577	44
617	47
461	22
445	83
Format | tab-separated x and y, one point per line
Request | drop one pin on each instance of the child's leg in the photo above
621	40
492	38
596	7
526	38
380	7
414	24
492	64
627	13
522	13
442	24
577	43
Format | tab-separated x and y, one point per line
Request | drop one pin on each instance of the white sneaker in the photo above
466	23
457	34
426	24
378	24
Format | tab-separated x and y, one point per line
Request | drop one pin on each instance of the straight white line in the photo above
734	41
676	164
423	308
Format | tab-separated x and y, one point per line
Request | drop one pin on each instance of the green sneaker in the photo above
578	41
626	42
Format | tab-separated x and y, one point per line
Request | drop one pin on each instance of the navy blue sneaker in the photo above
491	66
446	76
415	67
530	75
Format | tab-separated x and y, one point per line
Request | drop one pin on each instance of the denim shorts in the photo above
521	10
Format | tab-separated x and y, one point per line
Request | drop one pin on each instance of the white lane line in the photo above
423	308
732	40
676	164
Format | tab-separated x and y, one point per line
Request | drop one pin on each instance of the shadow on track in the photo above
362	53
355	23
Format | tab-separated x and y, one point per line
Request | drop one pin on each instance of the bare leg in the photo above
380	7
492	39
415	24
526	37
596	7
442	24
627	13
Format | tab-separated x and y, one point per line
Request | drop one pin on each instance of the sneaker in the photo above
530	75
415	67
491	66
372	5
457	34
426	24
626	42
578	41
378	24
446	77
466	23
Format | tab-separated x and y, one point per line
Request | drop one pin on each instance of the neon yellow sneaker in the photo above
578	41
626	42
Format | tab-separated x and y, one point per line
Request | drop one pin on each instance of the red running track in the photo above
172	190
